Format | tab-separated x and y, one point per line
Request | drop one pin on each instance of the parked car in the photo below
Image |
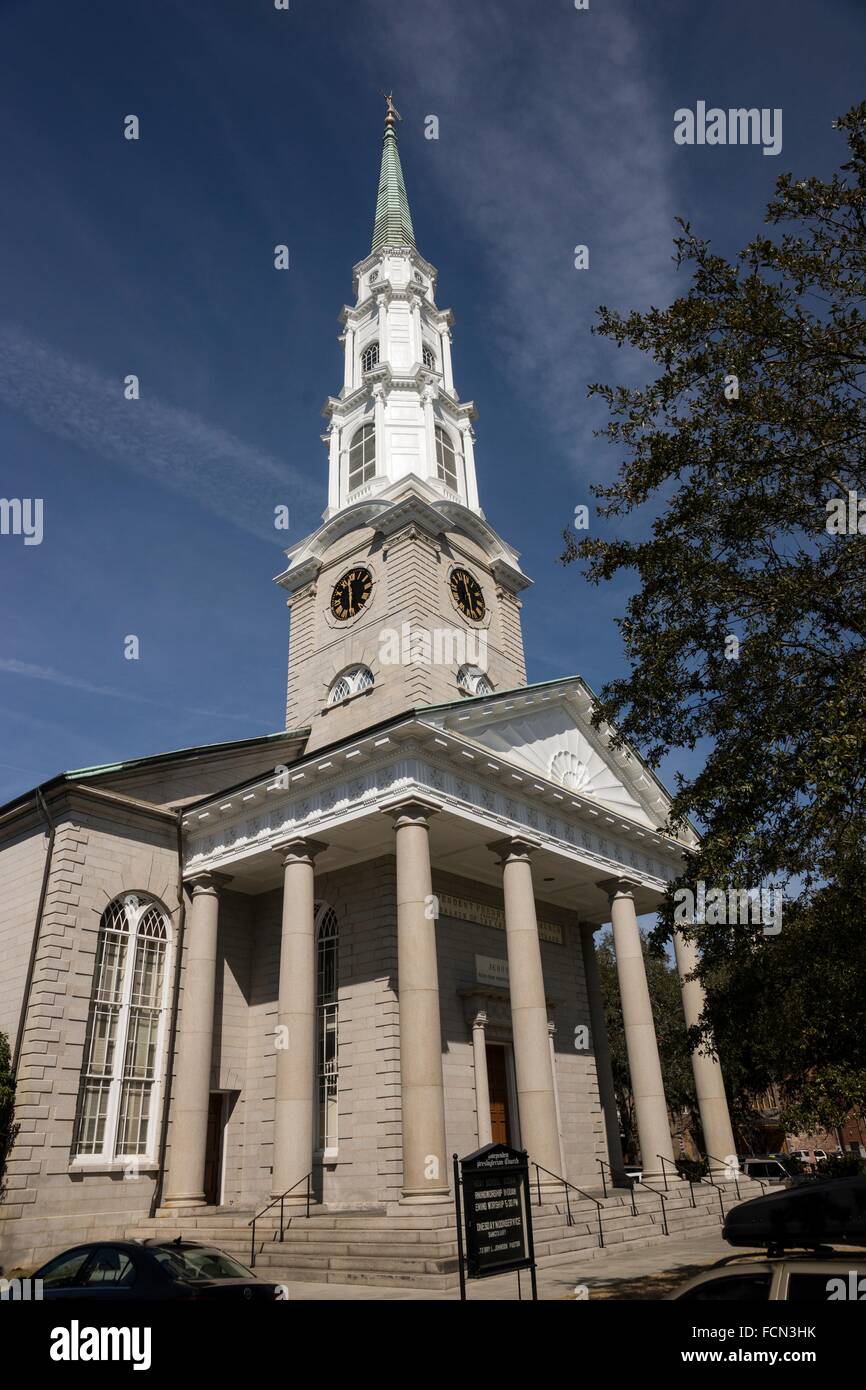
121	1271
820	1155
764	1169
808	1277
807	1231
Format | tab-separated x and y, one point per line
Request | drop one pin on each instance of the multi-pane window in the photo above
362	457
370	357
429	357
473	682
446	459
352	682
121	1074
326	1002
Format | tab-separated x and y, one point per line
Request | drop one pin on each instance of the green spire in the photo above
393	219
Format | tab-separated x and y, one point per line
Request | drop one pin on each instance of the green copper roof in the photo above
393	218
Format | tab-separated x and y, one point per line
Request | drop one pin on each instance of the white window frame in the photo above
135	906
370	348
445	446
470	677
355	679
364	432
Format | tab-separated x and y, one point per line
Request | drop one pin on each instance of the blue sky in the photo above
260	127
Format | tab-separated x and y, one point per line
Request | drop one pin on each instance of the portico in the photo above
422	803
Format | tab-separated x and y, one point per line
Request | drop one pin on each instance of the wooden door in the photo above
497	1081
213	1149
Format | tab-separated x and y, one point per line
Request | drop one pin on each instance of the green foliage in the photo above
739	548
693	1169
847	1165
8	1128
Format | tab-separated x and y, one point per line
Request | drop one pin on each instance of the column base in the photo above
197	1199
416	1199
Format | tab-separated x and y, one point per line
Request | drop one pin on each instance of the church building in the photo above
324	960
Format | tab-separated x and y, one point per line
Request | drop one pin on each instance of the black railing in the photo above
679	1175
725	1165
308	1179
570	1185
639	1182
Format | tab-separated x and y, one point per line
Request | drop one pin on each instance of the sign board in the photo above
494	1185
491	970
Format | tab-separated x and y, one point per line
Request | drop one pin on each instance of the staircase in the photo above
416	1246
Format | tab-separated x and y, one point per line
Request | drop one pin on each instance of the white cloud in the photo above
172	447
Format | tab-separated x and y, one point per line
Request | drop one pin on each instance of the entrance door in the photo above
214	1148
497	1081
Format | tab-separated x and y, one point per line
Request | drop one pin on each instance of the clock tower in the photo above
405	596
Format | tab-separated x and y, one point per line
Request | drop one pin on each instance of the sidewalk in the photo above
637	1273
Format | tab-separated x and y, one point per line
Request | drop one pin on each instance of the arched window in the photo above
327	984
429	357
370	357
472	681
121	1077
446	459
362	456
351	682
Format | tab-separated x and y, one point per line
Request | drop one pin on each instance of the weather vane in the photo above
392	114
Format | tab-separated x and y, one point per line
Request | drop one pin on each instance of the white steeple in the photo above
398	413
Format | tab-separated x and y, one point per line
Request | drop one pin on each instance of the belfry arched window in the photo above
352	682
429	357
121	1076
446	459
472	681
362	456
327	1051
370	357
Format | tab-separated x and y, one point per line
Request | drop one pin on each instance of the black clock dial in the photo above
351	593
466	592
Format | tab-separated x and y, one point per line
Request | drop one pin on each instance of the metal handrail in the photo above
679	1175
308	1179
566	1184
658	1193
716	1159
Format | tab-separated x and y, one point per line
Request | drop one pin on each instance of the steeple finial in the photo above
393	225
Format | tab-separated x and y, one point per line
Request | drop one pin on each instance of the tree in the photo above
8	1128
746	633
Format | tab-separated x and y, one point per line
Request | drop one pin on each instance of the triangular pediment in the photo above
547	730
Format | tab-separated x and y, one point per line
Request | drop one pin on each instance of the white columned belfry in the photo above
425	1168
651	1112
601	1052
482	1085
709	1082
295	1037
185	1185
535	1095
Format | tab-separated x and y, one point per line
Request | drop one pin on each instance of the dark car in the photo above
131	1271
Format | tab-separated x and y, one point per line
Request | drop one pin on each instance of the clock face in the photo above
466	592
351	593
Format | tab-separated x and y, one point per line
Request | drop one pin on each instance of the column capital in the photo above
514	848
211	883
411	809
617	887
551	1028
298	849
480	1020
